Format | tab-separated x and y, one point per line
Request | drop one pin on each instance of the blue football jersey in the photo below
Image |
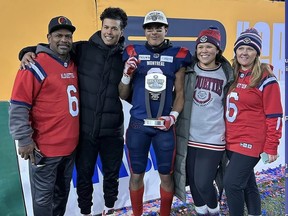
167	62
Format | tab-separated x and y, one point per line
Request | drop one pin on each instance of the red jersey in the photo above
254	116
50	89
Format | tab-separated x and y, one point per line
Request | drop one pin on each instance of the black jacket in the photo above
100	69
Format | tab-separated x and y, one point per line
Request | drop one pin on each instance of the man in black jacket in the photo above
100	68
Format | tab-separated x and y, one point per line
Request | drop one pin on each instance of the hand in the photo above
168	122
130	66
272	158
26	152
27	60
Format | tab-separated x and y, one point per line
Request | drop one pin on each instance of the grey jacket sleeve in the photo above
19	125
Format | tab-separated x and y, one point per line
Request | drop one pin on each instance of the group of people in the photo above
66	105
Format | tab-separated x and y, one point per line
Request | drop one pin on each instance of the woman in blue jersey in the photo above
201	124
153	70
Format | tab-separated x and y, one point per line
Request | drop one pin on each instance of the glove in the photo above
168	120
130	67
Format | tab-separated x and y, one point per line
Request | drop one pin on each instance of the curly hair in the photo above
116	14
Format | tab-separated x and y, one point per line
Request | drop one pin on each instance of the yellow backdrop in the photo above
24	23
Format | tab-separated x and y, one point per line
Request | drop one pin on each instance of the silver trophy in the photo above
155	90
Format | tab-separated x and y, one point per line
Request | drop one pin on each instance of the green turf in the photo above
11	196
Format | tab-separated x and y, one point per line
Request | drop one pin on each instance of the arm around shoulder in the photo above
26	50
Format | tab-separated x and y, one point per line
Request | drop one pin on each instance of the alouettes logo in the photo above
201	97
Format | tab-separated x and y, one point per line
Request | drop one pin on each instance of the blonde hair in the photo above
257	71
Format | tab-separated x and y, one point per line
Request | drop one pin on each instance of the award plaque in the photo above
155	90
153	122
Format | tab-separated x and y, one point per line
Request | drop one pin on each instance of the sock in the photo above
166	202
136	197
214	210
201	209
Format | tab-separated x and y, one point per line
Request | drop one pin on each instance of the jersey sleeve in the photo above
26	88
274	113
184	56
27	85
19	124
128	52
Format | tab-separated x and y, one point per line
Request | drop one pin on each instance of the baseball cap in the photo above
155	17
60	22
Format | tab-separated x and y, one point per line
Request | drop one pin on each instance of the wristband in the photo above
125	79
175	114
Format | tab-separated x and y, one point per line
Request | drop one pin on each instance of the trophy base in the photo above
153	122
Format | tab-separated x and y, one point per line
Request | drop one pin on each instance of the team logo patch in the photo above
166	59
247	40
203	39
144	57
202	98
156	55
155	17
62	20
246	145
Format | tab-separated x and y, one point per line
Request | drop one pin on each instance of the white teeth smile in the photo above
244	58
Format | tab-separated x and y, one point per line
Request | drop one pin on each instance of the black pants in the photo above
240	185
201	169
110	150
50	185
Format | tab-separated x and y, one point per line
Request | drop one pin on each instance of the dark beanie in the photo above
210	35
250	37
